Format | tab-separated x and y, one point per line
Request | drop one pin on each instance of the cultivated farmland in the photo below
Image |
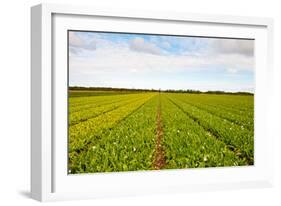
111	131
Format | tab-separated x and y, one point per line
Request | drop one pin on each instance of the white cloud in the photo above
125	64
232	46
166	45
123	59
74	40
232	70
77	43
138	44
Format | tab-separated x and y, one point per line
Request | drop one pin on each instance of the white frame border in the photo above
42	87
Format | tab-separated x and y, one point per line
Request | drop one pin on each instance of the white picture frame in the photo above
49	179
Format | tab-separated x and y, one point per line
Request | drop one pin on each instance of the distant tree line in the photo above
111	89
207	92
183	91
234	93
154	90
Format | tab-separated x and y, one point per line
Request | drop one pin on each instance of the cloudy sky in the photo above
158	61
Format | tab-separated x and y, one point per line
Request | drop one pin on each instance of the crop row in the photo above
236	137
188	145
80	103
82	135
236	103
83	115
85	93
97	103
127	146
118	132
240	119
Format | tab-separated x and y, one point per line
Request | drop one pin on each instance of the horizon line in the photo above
159	89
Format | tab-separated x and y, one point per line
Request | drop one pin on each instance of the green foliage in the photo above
128	146
93	110
238	109
236	137
110	133
188	145
86	133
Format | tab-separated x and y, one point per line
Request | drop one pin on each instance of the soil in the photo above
159	159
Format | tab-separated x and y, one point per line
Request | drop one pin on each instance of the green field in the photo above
111	131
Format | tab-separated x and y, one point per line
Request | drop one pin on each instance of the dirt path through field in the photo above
159	158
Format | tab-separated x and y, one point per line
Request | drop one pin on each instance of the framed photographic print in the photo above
130	102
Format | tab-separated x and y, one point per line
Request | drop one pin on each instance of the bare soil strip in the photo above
159	158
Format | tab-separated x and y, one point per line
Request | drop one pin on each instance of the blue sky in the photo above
159	61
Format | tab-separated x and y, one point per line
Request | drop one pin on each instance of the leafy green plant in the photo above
115	131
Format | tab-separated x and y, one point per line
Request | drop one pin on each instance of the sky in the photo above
146	61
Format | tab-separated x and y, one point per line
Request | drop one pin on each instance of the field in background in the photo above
83	93
112	131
